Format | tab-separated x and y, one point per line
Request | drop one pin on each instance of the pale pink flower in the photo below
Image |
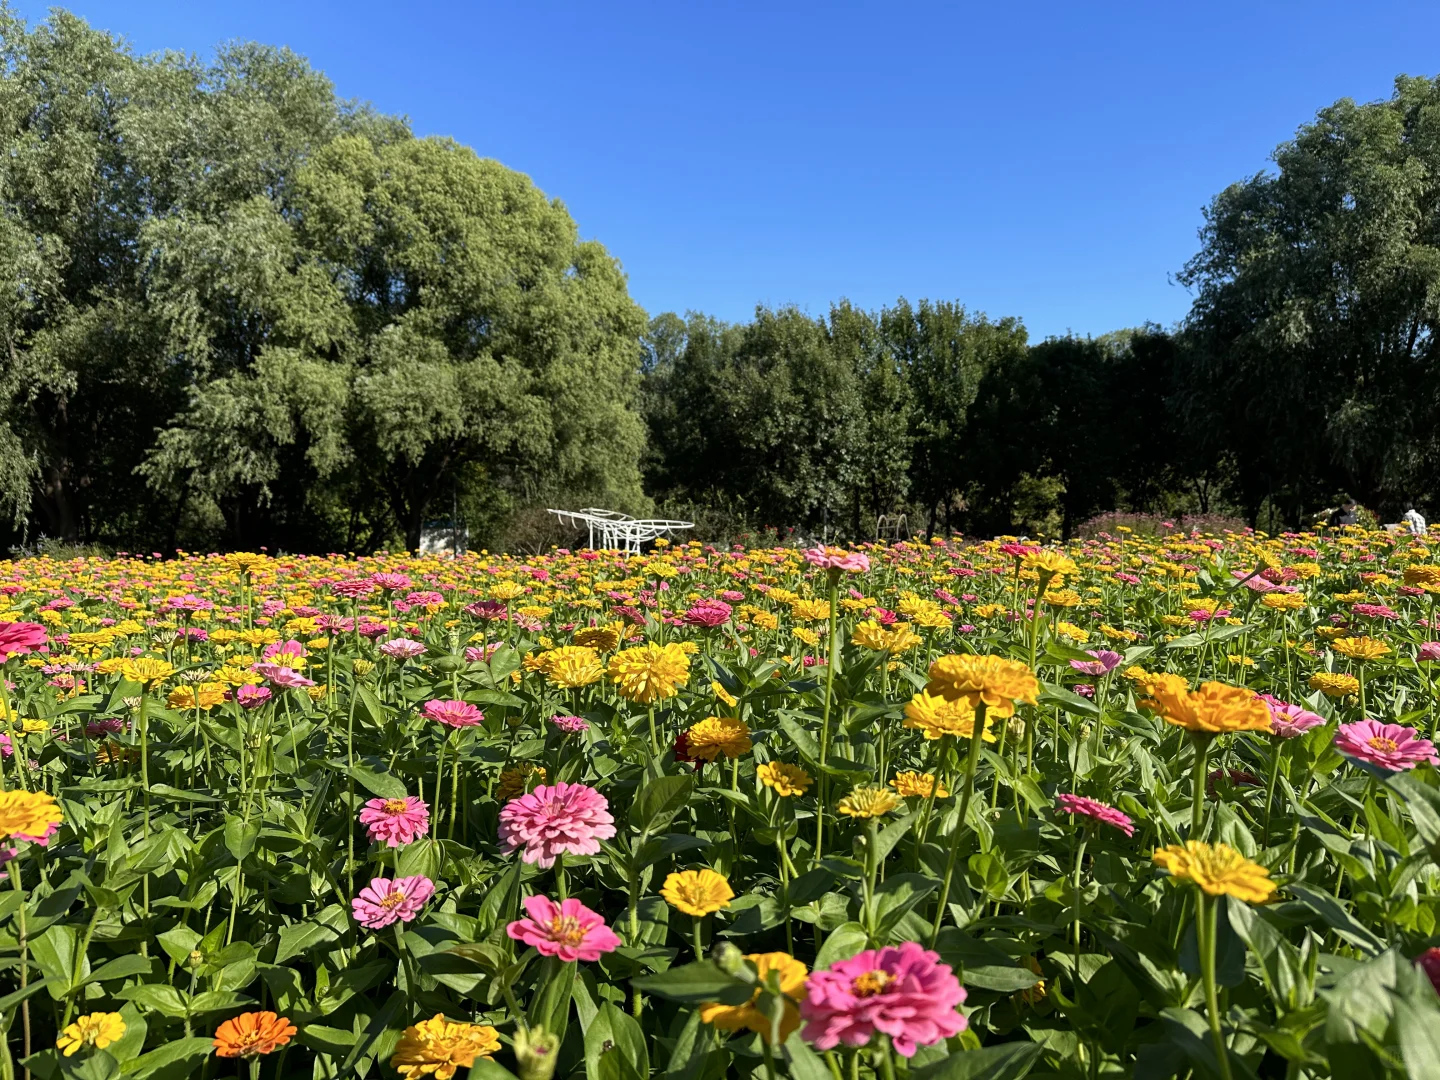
1105	661
1097	811
568	819
572	725
394	822
1389	746
1429	650
402	648
833	558
480	654
289	652
904	992
282	676
569	930
455	714
383	901
1287	720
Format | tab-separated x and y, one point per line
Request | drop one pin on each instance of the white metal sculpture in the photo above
619	532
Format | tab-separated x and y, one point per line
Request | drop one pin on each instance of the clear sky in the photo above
1043	160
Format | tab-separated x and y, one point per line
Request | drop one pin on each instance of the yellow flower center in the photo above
1384	745
567	930
871	983
393	900
394	806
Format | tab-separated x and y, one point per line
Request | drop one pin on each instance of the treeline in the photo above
239	311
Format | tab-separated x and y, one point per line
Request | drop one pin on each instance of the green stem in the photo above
977	735
1206	925
825	715
1202	761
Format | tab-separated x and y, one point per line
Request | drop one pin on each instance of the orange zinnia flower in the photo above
251	1034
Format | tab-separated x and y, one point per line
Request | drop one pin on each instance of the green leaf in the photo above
615	1047
185	1049
240	836
697	982
302	937
1337	918
1007	1061
381	785
802	739
659	801
120	968
844	941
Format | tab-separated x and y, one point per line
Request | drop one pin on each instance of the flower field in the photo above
1152	808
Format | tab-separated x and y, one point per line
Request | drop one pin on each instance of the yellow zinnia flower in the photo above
1334	684
94	1031
650	672
935	717
27	813
784	779
868	802
1218	869
992	680
146	670
1360	648
909	784
748	1016
716	735
437	1048
573	666
697	892
1215	708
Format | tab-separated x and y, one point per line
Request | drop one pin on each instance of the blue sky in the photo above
1043	160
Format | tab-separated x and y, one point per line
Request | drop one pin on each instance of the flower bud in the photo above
728	958
536	1052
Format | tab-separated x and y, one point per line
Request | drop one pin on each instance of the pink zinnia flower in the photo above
291	648
708	613
282	676
383	901
1390	746
569	930
455	714
568	819
904	992
571	724
1429	650
1084	689
1105	661
390	582
478	654
393	822
1288	720
402	648
833	558
109	725
353	588
19	638
1019	551
1098	811
252	697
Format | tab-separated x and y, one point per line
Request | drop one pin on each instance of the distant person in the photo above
1348	514
1412	518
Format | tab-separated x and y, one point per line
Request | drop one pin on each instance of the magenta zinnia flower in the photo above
19	638
1390	746
393	822
1288	720
455	714
1098	811
569	930
572	725
383	901
1104	662
708	613
567	819
252	697
904	992
1429	650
